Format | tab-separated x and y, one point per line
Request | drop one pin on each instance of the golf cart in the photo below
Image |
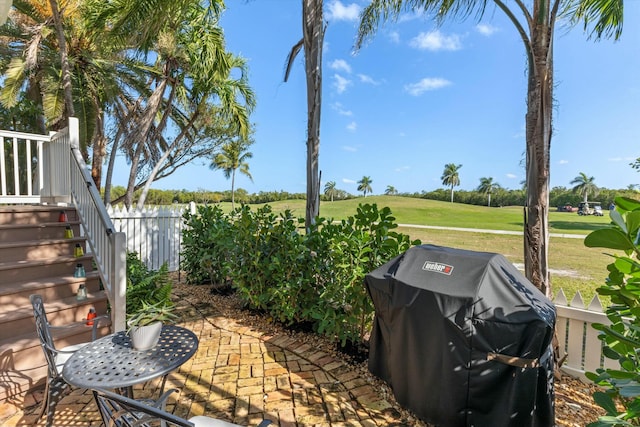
590	208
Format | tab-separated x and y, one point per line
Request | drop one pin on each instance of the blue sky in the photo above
418	96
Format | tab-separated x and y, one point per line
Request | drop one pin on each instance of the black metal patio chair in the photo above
120	411
56	387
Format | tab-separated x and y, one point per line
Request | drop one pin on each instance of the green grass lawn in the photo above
574	266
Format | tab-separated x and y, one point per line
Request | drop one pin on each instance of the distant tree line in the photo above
168	197
558	196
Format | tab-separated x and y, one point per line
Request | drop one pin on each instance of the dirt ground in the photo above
573	398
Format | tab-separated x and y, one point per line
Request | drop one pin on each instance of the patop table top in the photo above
111	362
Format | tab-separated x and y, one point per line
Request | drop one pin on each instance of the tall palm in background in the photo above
451	177
364	185
534	22
233	157
330	189
313	28
189	47
585	186
391	190
486	187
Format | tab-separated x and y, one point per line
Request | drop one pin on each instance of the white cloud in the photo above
403	168
486	29
435	40
511	176
426	84
348	181
341	84
406	17
340	65
349	148
367	79
394	36
340	109
352	126
339	12
563	162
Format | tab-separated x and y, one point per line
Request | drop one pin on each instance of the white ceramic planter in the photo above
145	337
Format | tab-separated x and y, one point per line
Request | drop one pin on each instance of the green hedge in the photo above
295	277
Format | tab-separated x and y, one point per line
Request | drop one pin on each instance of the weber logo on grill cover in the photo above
438	267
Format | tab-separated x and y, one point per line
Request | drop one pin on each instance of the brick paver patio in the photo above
243	375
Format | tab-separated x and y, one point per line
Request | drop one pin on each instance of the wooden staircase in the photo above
36	257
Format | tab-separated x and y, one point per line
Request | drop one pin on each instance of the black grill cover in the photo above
440	315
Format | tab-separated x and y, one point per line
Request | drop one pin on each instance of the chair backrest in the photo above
120	411
44	334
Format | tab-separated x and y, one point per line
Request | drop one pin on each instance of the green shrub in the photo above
146	286
346	253
621	338
205	242
293	276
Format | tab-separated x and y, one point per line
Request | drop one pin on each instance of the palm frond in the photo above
15	78
291	57
600	18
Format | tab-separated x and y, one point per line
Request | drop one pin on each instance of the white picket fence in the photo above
577	338
154	233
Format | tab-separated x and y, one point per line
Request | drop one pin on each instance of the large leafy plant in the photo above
621	338
148	292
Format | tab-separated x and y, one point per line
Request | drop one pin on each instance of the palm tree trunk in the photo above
538	135
451	193
313	35
489	202
233	189
99	148
64	60
141	135
165	156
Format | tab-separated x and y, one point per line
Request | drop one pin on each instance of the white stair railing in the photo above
49	169
107	246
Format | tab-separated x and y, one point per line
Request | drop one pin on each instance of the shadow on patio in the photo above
243	375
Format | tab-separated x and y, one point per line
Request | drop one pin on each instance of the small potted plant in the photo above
145	324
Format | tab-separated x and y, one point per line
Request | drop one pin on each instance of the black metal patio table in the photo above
111	362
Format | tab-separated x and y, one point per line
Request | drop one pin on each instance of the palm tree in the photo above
189	74
451	177
365	185
534	22
313	28
486	187
584	185
391	190
330	189
233	156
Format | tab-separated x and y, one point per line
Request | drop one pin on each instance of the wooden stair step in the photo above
39	249
34	214
49	288
37	269
47	230
59	312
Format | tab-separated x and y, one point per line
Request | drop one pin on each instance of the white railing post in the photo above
119	280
